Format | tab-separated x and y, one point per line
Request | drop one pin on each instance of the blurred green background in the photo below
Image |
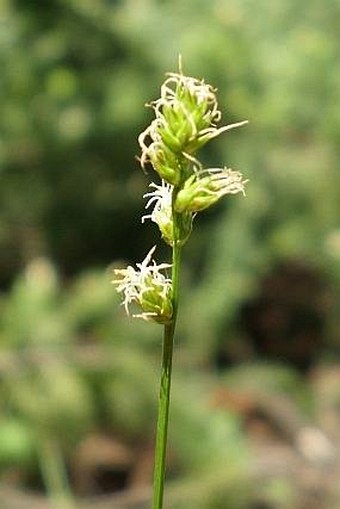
261	275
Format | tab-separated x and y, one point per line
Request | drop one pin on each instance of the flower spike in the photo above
206	187
186	116
161	199
147	288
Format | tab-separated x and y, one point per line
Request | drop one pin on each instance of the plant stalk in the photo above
165	383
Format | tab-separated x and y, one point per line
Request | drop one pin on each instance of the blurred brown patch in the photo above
286	321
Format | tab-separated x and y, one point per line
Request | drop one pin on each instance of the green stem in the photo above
165	385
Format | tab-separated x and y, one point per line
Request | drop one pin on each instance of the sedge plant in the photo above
186	118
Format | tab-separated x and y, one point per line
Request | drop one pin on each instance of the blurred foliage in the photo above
75	77
91	377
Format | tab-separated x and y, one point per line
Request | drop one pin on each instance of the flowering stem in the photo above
165	383
185	120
